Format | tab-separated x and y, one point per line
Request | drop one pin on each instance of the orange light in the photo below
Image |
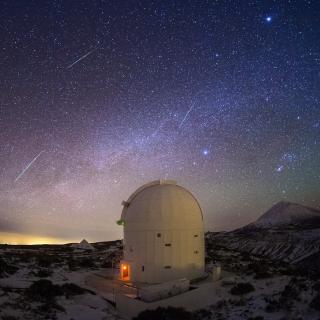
124	267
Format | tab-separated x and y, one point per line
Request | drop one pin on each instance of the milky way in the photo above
223	97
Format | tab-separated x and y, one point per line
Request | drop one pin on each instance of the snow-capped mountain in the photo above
287	232
287	213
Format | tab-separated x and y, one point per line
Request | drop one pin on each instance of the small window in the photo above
167	267
168	244
196	252
196	236
142	268
159	235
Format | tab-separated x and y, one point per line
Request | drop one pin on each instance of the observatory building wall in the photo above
163	234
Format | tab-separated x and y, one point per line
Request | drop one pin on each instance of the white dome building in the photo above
163	234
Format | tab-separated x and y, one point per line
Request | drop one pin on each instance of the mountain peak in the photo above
285	213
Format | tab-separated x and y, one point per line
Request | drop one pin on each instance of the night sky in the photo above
100	97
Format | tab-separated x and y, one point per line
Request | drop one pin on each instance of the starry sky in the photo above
100	97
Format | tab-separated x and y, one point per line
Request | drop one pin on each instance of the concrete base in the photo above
202	295
124	294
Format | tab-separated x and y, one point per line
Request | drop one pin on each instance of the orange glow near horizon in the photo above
29	239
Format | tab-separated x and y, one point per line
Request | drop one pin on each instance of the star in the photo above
280	168
205	152
268	18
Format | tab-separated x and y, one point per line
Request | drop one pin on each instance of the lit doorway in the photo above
125	272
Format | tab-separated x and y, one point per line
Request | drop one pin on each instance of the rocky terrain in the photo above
270	271
48	281
287	233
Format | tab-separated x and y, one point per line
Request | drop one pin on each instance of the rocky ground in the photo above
261	288
48	282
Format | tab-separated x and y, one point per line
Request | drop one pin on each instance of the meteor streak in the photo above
27	167
81	58
186	115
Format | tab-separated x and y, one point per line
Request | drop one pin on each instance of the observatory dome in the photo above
163	234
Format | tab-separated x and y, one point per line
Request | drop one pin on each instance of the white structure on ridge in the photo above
163	234
83	245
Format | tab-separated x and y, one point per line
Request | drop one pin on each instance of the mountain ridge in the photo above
286	213
287	232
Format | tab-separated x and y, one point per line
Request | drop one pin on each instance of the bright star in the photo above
205	152
269	19
280	168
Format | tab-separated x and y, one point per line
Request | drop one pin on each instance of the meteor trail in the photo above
81	58
186	115
27	167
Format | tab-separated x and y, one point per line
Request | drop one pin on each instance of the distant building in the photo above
83	245
163	234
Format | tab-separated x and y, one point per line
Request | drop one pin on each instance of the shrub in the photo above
316	287
107	264
242	288
202	314
289	293
43	290
263	275
169	313
261	270
273	306
25	257
87	263
6	268
45	260
71	289
48	306
315	303
43	273
286	271
8	317
245	256
238	303
72	264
